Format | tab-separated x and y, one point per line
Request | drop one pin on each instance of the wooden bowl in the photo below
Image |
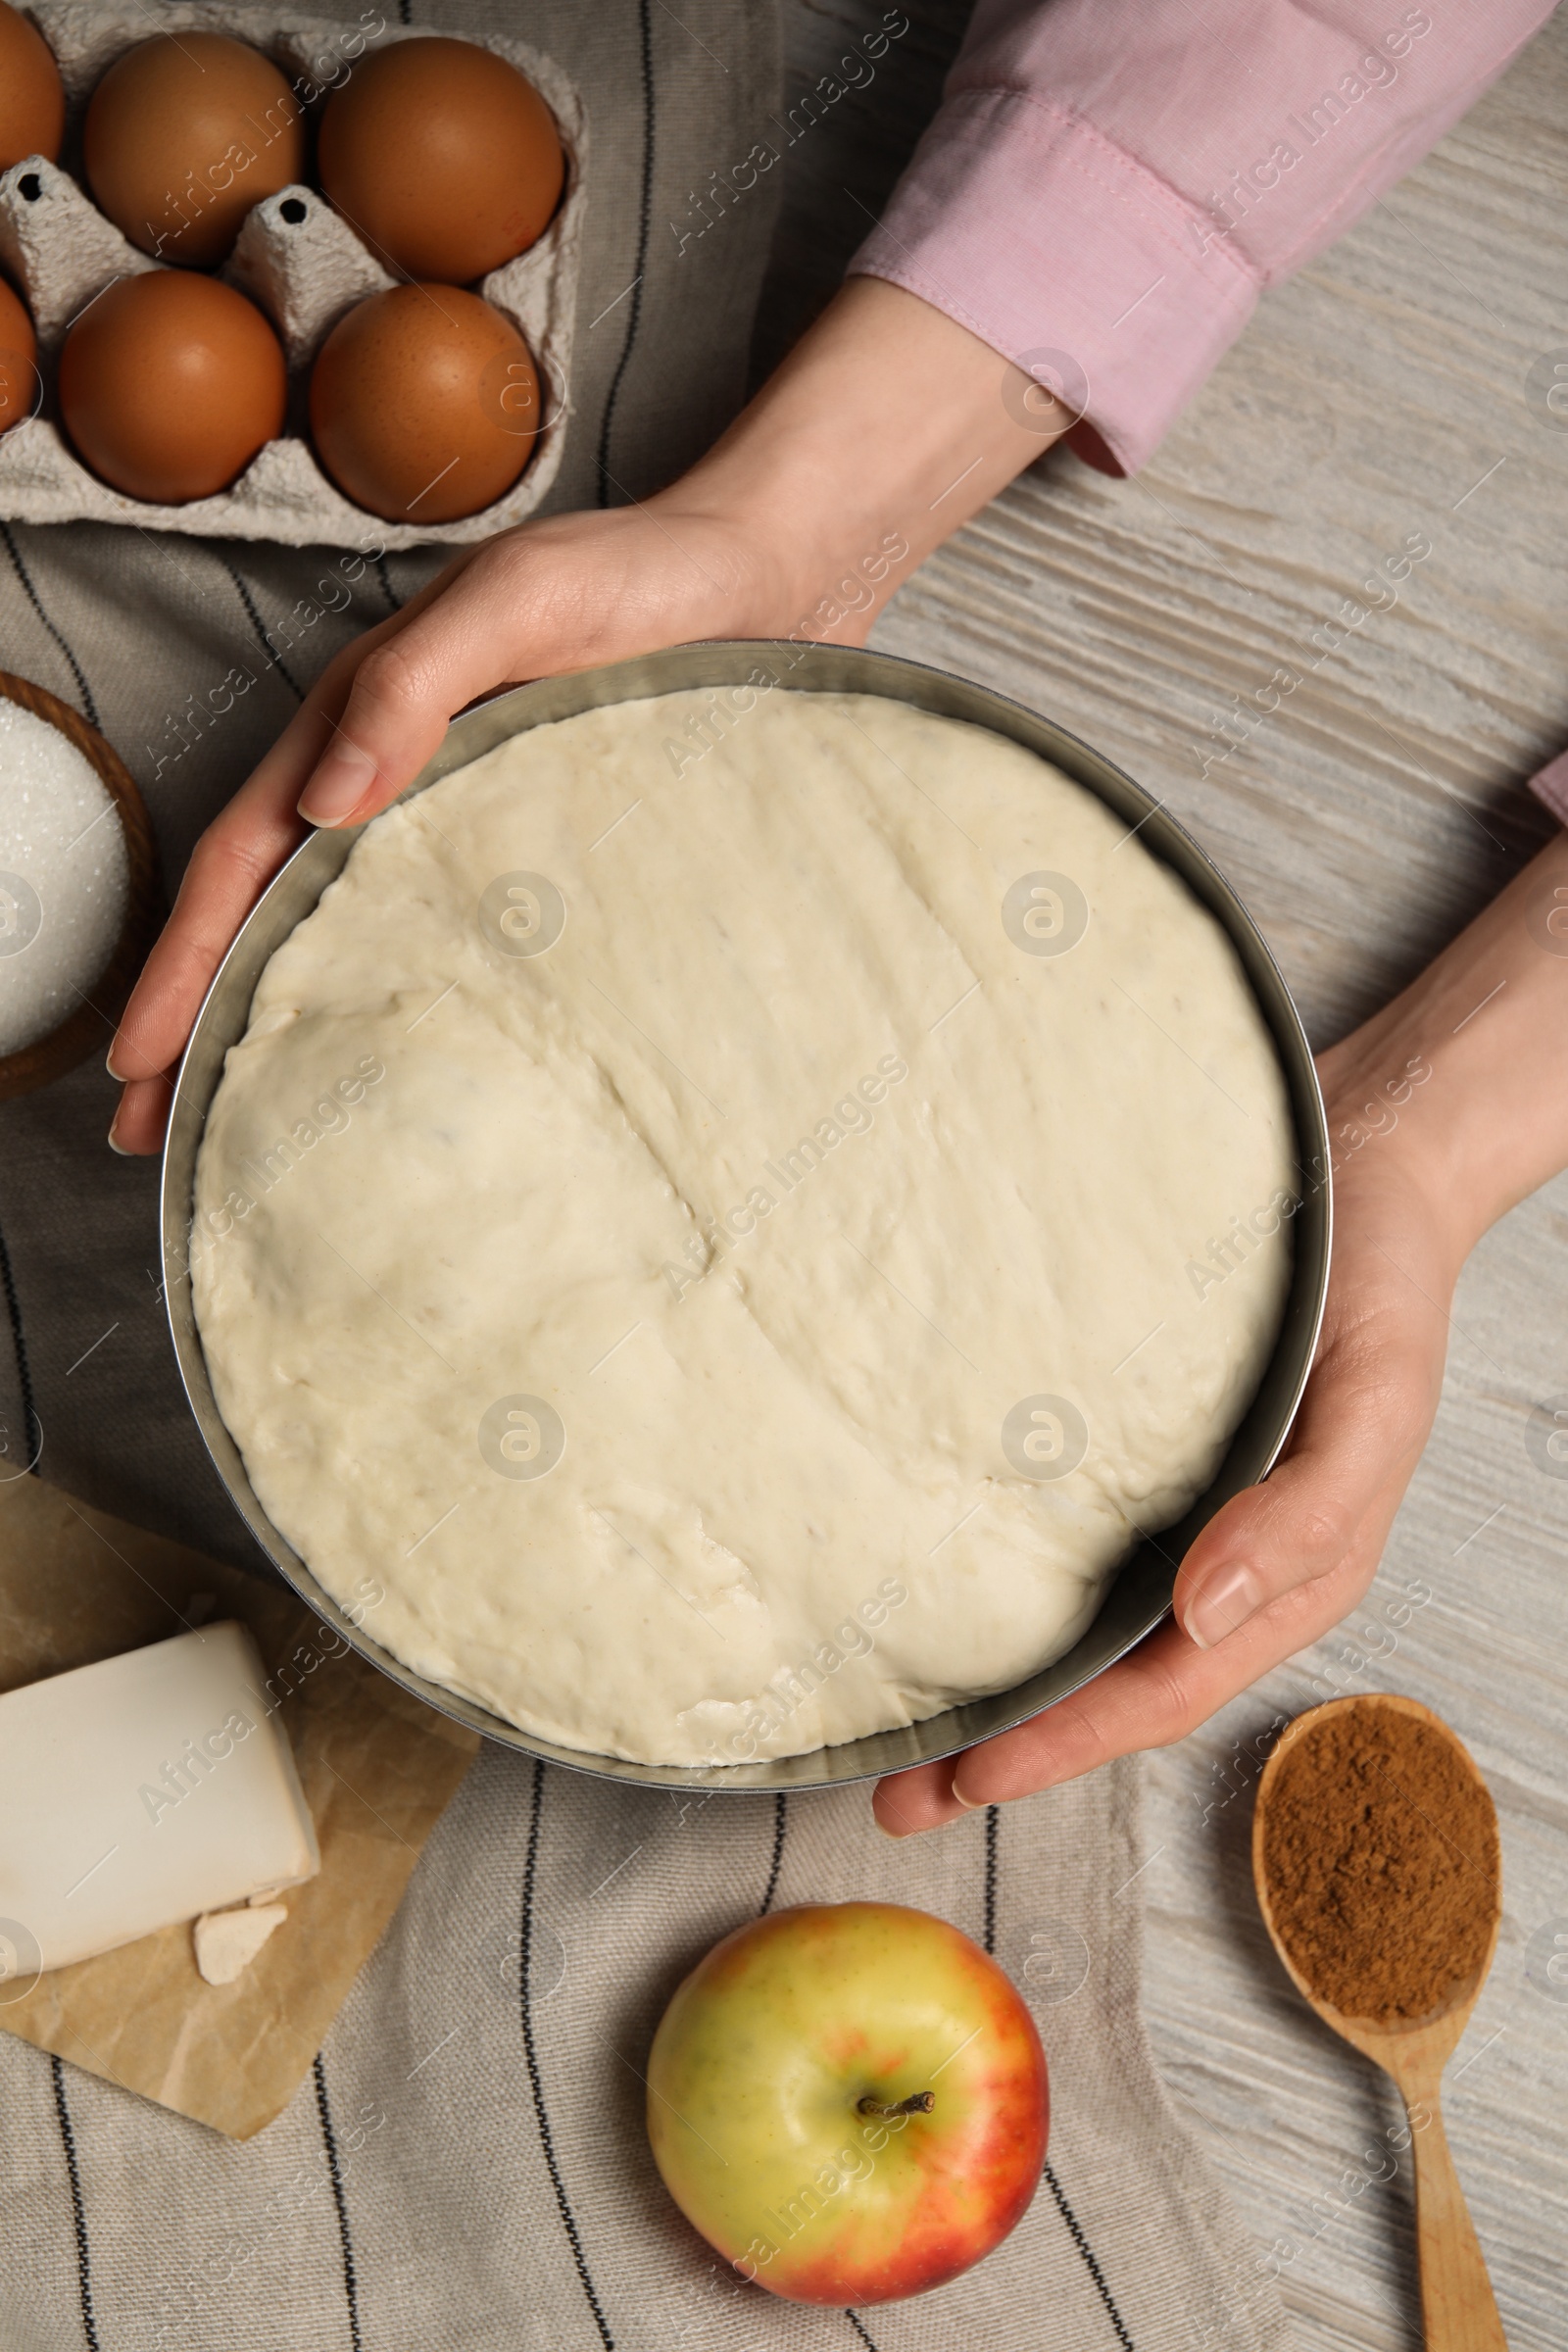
93	1022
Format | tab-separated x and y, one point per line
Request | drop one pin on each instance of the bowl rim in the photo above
1139	1594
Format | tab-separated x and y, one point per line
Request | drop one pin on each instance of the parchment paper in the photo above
377	1768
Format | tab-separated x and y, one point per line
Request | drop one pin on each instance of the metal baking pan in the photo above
1140	1595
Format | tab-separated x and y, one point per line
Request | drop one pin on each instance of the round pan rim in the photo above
1140	1595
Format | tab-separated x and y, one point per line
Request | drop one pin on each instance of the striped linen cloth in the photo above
466	2170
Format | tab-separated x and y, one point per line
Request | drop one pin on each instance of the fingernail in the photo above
1223	1602
338	785
971	1804
114	1144
109	1065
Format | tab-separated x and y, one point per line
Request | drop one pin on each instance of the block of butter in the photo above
140	1791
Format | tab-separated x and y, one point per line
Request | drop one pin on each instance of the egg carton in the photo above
297	259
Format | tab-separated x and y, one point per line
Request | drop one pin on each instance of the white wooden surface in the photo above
1382	392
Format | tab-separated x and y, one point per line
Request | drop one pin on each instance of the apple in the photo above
849	2101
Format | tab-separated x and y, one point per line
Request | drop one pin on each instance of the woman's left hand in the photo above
1444	1110
1284	1561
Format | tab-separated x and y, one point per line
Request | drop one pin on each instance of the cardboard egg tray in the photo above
296	258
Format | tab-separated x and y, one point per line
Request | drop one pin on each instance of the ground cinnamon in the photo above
1380	1851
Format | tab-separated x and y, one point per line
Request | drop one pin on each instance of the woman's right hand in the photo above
559	595
782	529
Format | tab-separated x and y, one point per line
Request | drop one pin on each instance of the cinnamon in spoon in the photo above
1378	1871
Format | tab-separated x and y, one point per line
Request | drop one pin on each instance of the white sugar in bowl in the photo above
78	890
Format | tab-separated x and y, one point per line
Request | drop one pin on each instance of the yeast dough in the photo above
732	1212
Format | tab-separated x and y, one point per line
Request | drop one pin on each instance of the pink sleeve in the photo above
1551	785
1109	184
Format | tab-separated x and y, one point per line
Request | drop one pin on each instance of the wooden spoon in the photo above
1458	2309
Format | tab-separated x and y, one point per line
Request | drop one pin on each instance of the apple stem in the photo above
919	2102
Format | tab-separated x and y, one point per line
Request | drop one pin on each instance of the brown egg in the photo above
19	358
424	404
184	135
170	384
443	157
32	103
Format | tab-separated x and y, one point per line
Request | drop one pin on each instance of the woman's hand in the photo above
1281	1563
559	595
784	529
1443	1111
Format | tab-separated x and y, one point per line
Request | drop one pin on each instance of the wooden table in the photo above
1380	393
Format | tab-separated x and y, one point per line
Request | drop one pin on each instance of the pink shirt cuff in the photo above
1142	301
1109	184
1552	786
